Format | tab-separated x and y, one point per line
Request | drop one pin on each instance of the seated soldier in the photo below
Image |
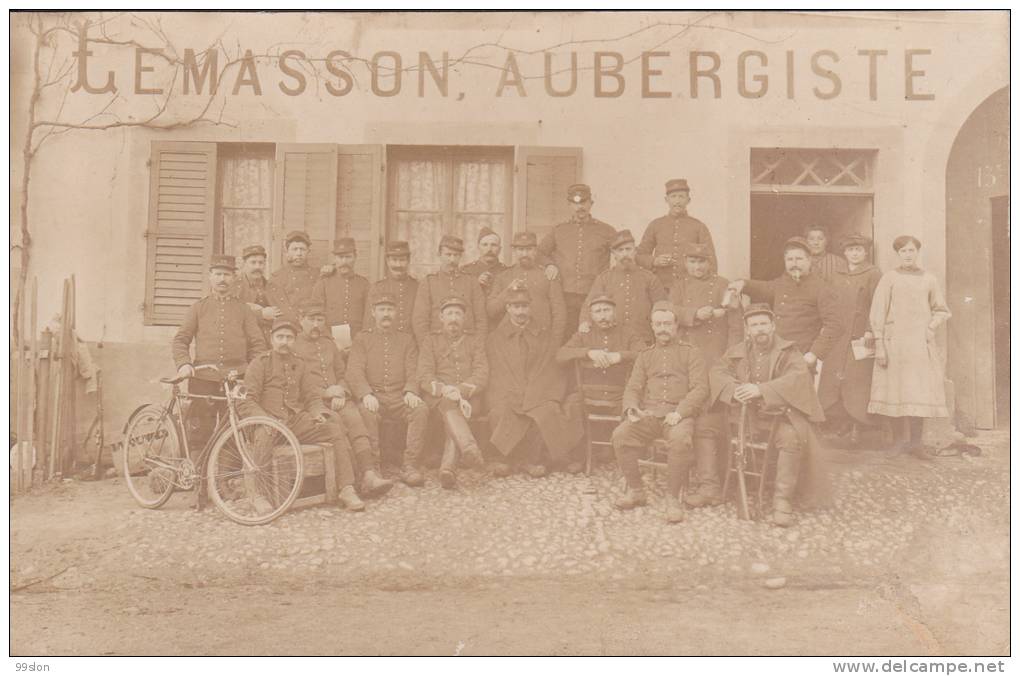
326	364
529	414
280	385
452	370
381	372
664	395
770	372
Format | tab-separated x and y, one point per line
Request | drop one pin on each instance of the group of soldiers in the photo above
505	342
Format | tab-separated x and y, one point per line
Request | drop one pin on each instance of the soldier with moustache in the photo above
667	238
449	281
488	265
252	287
397	283
547	303
344	293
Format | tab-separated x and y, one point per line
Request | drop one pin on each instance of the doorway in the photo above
1000	305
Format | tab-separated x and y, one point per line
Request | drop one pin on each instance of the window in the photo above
437	190
244	213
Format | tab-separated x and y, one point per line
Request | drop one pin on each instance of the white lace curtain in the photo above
246	202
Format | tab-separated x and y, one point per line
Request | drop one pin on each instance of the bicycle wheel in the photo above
255	470
152	448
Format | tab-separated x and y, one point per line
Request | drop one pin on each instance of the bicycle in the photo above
252	467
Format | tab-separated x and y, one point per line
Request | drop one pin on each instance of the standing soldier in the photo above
452	371
398	284
449	281
488	265
547	304
252	288
634	289
280	385
709	324
326	366
294	281
667	237
382	373
577	250
665	393
344	293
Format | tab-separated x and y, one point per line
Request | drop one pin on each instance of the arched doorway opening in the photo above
977	263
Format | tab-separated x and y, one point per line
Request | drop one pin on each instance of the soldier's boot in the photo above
787	470
500	470
458	429
412	477
675	512
448	465
373	485
634	497
349	499
708	491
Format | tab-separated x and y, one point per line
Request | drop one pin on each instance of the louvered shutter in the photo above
541	178
182	202
359	204
306	198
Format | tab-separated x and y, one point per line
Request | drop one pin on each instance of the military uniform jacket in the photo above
345	299
382	362
635	291
580	249
476	268
405	291
440	285
445	361
248	291
807	312
225	334
280	386
713	336
668	378
323	359
616	338
289	286
547	305
669	236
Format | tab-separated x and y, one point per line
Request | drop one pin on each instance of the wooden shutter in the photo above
541	178
305	198
359	204
182	204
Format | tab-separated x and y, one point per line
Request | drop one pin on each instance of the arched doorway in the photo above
977	263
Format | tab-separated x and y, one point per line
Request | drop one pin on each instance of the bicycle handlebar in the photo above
176	380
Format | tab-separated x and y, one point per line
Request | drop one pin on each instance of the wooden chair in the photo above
601	393
752	455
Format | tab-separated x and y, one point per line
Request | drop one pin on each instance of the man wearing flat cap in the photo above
294	281
382	374
449	281
452	372
633	288
252	288
344	294
279	384
327	366
769	374
664	394
710	320
667	237
577	250
805	305
397	283
488	265
530	417
547	304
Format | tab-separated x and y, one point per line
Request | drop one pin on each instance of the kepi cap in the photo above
307	308
524	239
676	184
453	300
759	309
579	192
398	248
384	299
297	236
622	237
664	306
344	245
283	324
452	242
221	261
602	299
253	250
487	231
698	250
518	296
797	243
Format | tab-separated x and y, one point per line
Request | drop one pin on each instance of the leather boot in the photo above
634	497
457	428
674	509
787	471
412	477
708	491
349	499
448	465
373	485
500	470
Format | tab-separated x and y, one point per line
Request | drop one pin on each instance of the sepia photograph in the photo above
511	333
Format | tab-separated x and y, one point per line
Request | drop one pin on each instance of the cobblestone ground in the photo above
893	518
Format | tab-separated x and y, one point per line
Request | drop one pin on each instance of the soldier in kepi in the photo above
577	251
293	282
710	321
664	394
452	372
280	385
327	367
252	288
488	265
382	374
667	237
769	372
226	335
398	284
547	304
449	281
344	293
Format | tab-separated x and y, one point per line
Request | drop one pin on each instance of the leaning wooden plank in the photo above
33	357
